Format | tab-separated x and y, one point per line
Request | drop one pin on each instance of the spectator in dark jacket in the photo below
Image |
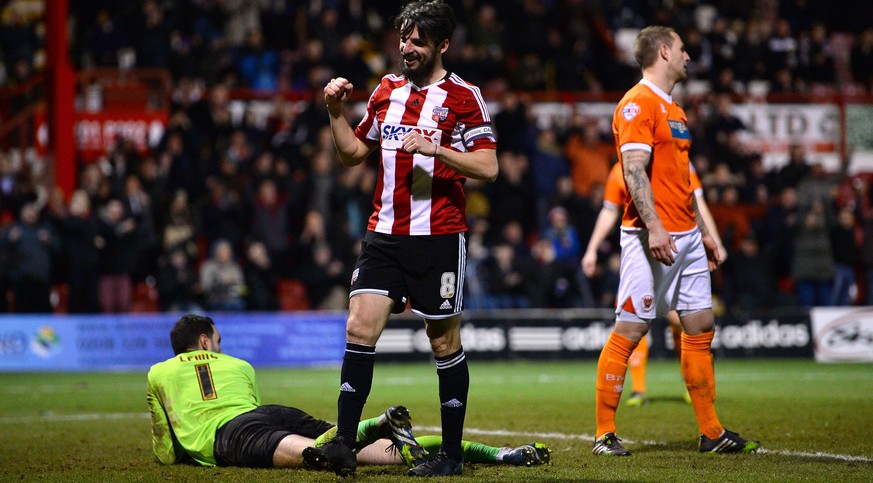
261	279
79	236
30	246
178	285
117	245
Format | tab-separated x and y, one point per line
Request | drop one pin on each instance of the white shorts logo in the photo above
647	303
630	110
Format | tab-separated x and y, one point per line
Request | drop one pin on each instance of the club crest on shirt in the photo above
440	114
647	302
630	110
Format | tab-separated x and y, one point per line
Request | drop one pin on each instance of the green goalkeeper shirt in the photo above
191	396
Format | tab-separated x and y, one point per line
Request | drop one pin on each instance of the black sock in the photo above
356	379
454	377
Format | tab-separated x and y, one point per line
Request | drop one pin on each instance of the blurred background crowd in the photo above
232	213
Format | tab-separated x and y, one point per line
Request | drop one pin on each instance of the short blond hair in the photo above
649	41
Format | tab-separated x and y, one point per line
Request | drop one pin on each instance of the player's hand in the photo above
722	253
336	92
662	245
415	143
589	263
713	252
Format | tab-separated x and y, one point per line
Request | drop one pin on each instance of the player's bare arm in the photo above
709	243
709	221
479	165
661	244
351	150
606	219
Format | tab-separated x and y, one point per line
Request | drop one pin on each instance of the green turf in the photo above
815	421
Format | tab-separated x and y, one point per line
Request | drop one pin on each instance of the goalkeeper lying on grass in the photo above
205	406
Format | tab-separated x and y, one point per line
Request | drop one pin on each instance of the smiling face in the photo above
419	57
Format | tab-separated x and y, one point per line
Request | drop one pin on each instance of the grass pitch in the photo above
815	422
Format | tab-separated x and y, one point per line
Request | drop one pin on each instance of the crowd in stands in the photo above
225	213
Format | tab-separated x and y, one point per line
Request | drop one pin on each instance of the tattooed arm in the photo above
661	244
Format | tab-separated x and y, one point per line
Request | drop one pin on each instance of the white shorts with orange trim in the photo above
648	289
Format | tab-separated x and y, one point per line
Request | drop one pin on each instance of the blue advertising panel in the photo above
120	342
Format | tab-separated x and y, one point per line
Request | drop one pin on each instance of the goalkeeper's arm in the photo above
167	450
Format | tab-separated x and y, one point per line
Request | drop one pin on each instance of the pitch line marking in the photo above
590	437
436	429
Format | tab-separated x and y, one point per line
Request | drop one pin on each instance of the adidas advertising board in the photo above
581	333
295	339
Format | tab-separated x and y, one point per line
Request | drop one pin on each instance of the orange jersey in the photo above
647	119
615	189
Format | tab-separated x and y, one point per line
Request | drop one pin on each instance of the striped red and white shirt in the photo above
416	194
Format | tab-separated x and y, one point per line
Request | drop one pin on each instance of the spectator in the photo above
326	278
139	204
509	280
261	279
30	247
722	128
153	36
817	57
117	244
511	123
221	214
782	49
270	221
749	286
475	283
862	60
511	193
557	282
797	168
732	219
180	229
258	64
589	154
751	53
78	230
548	164
567	249
564	238
846	257
178	287
222	280
780	224
813	264
351	58
723	43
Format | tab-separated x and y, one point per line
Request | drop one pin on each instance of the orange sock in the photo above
611	369
699	376
637	364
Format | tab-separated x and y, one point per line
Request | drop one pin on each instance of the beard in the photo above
682	74
421	74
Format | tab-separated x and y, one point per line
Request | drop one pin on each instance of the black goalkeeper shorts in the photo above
251	438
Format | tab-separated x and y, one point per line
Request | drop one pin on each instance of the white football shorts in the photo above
648	289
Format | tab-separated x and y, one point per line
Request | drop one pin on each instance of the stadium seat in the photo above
60	298
292	295
145	299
